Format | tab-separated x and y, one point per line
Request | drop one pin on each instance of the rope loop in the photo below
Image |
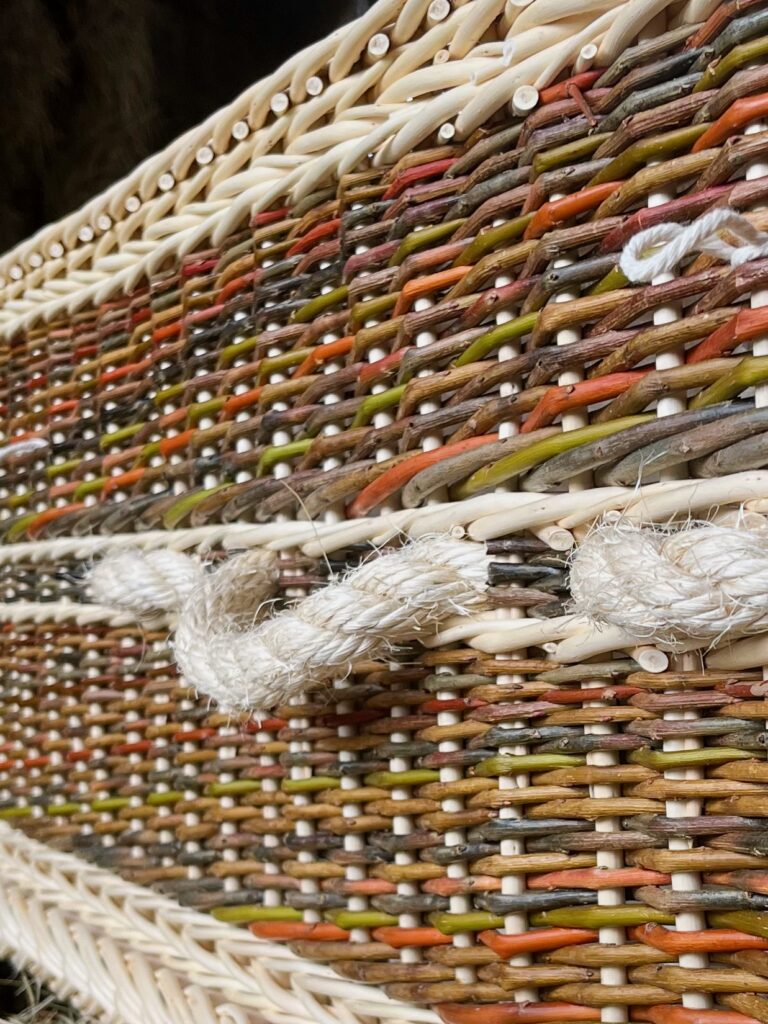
673	242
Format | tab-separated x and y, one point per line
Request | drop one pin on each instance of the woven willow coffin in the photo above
379	297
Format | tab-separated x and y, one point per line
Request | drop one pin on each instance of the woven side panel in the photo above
504	839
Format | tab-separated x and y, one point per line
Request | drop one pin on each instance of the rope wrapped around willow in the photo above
675	588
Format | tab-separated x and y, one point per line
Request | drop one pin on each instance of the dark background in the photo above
89	88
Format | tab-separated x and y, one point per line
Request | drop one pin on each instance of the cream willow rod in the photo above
484	517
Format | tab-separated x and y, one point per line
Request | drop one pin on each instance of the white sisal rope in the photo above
145	581
702	582
163	580
387	601
673	242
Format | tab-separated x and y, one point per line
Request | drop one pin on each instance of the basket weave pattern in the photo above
499	836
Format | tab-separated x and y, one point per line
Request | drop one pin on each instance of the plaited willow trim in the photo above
555	516
127	955
406	73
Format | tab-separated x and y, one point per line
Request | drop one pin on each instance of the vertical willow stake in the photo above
512	884
682	881
274	897
353	841
458	903
759	298
612	860
402	824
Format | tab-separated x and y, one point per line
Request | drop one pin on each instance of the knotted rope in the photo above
672	587
674	242
385	602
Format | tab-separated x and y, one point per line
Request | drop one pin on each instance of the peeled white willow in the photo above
562	55
633	17
431	116
357	86
380	137
352	43
424	48
250	178
654	504
408	20
437	77
317	170
494	94
482	15
313	110
331	135
543	12
539	38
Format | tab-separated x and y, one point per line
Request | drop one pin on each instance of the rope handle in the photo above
228	646
674	588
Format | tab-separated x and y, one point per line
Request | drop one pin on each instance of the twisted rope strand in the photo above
676	241
387	601
671	587
164	579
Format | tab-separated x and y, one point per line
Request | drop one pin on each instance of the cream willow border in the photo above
405	73
561	519
127	955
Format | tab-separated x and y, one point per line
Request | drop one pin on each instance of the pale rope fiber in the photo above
386	602
145	581
702	582
163	579
676	241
